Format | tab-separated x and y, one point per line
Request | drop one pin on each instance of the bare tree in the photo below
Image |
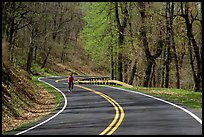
189	19
149	57
14	16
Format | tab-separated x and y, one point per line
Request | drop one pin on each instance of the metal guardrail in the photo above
103	81
94	78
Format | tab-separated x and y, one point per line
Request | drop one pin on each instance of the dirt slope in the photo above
21	99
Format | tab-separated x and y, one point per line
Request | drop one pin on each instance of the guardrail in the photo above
103	81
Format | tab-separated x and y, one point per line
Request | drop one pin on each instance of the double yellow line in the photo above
119	116
119	113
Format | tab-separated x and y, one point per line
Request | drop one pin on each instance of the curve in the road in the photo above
65	104
118	109
119	113
112	127
185	110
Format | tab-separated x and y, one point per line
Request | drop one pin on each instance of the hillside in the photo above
77	60
20	102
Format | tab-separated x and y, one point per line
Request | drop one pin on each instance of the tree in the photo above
34	33
149	57
14	15
121	25
99	34
168	44
189	19
173	46
59	18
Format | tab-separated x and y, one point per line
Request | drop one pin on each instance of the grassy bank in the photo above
25	99
43	72
54	93
50	89
182	97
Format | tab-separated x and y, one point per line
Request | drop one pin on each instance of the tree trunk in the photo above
163	67
30	57
121	29
150	58
148	71
63	53
168	44
134	60
174	48
192	64
46	57
31	48
111	62
152	77
132	72
54	35
120	42
177	64
125	69
35	53
197	56
194	44
11	46
120	66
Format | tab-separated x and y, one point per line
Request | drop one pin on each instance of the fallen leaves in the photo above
43	106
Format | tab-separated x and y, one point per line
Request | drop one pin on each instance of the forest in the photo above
149	44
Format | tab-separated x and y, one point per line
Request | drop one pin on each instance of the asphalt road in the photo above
94	110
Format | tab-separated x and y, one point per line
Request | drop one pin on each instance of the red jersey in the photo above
70	79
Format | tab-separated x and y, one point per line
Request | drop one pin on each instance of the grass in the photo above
42	71
27	117
183	97
46	72
50	89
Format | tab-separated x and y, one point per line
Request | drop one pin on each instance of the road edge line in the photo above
185	110
65	104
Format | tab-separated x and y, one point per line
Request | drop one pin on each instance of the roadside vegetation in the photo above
50	89
181	97
22	100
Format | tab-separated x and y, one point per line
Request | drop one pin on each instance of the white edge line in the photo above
185	110
65	104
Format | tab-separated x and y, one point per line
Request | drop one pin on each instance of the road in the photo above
102	110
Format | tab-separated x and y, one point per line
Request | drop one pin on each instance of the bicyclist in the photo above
70	82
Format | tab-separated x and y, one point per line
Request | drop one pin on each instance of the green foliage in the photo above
41	71
98	32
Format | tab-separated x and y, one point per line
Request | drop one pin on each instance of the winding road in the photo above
105	110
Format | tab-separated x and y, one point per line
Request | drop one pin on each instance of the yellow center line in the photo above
110	128
121	116
116	106
60	80
120	120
